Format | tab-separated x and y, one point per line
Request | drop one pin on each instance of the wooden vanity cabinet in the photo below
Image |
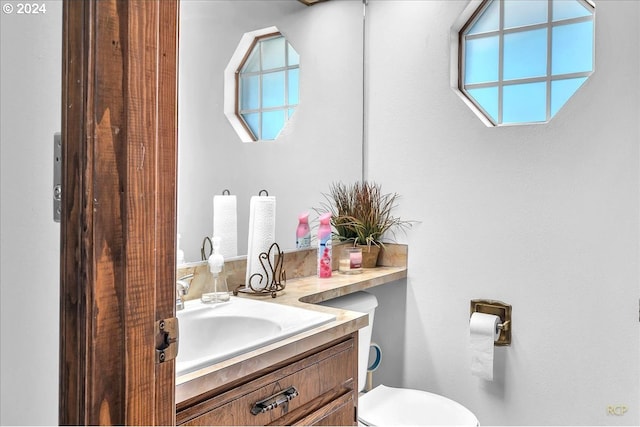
325	380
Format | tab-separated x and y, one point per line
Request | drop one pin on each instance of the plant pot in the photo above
370	255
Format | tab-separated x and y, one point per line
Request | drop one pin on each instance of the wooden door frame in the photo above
118	227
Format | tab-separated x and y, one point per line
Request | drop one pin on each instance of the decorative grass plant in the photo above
361	213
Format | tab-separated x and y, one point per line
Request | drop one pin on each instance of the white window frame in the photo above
465	21
232	84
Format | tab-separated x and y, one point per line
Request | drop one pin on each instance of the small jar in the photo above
350	261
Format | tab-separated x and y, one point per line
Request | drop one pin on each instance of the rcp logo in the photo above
617	410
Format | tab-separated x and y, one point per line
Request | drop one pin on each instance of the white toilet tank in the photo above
363	302
396	406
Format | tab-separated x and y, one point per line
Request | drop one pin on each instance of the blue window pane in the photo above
253	62
518	13
250	93
481	60
489	20
273	53
544	57
253	121
268	89
487	97
272	124
524	103
567	9
294	58
562	90
294	86
273	89
572	48
525	54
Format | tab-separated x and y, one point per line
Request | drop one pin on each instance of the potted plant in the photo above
361	213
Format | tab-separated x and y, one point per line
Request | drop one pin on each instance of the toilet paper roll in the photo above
262	234
483	332
225	224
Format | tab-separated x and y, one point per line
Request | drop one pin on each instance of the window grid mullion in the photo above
549	45
261	65
278	108
528	27
529	80
286	79
271	70
500	62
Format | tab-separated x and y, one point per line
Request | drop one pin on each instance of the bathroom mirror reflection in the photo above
322	142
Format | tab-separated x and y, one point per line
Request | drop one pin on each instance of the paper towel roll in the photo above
262	231
225	224
483	332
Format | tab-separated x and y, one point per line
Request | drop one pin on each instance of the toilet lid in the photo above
400	406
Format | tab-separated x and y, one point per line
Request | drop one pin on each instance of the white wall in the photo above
30	244
544	217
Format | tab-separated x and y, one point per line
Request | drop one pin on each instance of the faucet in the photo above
182	289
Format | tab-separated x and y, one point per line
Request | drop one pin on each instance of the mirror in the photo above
323	141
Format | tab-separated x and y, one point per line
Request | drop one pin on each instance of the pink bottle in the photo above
324	246
303	233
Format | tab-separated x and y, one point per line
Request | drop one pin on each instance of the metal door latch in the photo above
166	339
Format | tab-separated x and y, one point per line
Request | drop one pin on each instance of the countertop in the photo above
302	292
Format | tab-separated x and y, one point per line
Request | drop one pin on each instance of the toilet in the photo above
396	406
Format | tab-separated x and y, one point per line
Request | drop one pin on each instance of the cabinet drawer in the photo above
340	412
319	379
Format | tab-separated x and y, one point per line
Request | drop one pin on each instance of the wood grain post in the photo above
118	229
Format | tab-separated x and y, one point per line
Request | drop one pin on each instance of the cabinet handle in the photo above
274	401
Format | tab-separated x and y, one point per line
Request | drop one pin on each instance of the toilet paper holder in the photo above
497	308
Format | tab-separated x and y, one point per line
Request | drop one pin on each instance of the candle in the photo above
350	261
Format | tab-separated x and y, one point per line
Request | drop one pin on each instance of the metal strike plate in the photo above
57	176
166	339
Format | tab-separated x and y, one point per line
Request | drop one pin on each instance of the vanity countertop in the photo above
302	292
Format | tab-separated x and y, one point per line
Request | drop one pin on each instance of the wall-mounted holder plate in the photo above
497	308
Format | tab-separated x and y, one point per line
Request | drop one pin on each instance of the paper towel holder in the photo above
497	308
274	276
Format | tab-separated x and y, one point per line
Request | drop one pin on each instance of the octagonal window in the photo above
521	60
262	85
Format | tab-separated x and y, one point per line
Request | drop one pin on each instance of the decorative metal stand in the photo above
274	278
203	250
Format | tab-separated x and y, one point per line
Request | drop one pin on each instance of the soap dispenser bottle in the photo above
324	246
303	233
217	291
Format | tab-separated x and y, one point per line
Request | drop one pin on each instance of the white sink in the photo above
211	333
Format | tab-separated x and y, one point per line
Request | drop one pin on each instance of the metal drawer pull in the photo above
274	401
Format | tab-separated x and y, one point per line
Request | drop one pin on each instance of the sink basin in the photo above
211	333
